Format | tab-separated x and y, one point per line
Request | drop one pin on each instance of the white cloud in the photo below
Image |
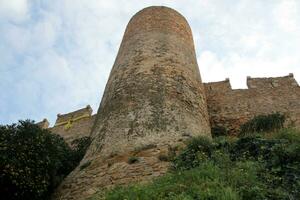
287	15
56	55
15	10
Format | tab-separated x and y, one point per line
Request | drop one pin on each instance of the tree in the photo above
33	161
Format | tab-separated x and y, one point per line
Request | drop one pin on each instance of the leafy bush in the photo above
34	161
251	168
79	148
263	123
217	131
197	150
201	183
239	180
279	156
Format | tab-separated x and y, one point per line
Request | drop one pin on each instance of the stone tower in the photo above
153	100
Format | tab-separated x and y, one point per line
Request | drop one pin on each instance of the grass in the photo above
264	166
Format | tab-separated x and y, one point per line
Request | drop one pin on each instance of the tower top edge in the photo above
158	9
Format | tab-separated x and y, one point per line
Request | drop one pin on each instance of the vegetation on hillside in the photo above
34	161
263	165
263	123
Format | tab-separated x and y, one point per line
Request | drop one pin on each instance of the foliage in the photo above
197	150
279	157
33	161
181	185
217	131
258	167
79	148
263	123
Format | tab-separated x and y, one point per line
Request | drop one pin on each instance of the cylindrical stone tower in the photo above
154	99
154	93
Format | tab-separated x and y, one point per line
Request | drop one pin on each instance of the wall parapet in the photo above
254	83
72	125
44	124
221	86
73	116
272	82
232	107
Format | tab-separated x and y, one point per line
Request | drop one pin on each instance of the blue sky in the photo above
56	55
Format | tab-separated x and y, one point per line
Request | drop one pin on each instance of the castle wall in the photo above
231	108
74	125
44	124
154	95
154	100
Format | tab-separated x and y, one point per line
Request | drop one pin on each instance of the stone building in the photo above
231	108
154	100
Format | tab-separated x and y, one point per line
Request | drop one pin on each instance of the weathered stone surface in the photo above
154	100
74	125
44	124
105	172
154	95
231	108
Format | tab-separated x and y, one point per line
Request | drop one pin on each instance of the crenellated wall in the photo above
231	108
75	124
155	100
227	107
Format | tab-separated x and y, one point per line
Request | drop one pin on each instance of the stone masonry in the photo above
73	125
154	100
231	108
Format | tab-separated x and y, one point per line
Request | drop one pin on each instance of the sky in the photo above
56	55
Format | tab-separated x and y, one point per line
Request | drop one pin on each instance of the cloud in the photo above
55	56
14	10
287	15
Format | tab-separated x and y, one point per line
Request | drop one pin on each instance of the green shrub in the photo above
197	150
201	183
279	157
217	131
263	123
33	161
290	134
249	168
79	148
207	181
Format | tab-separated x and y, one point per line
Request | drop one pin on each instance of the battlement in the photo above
221	86
254	83
272	82
72	125
232	107
43	124
73	116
